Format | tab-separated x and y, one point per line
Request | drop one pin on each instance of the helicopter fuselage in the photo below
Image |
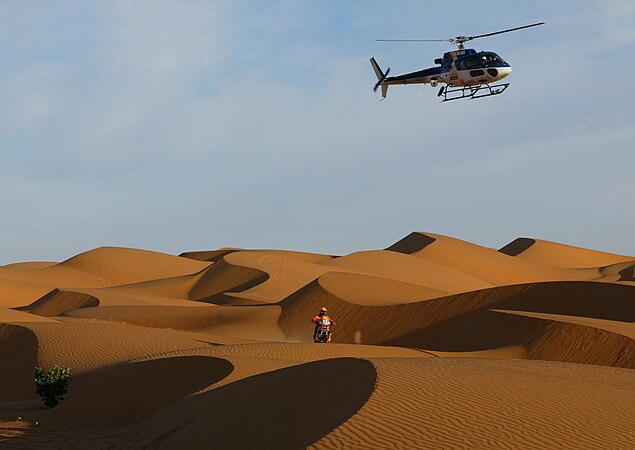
466	73
459	68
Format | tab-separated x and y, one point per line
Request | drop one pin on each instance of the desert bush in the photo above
52	385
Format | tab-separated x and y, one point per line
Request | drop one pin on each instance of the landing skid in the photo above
482	90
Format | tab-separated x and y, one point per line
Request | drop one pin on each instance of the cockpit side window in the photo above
491	59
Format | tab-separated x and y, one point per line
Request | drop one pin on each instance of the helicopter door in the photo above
472	72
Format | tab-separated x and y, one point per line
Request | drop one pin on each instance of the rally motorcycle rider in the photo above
322	320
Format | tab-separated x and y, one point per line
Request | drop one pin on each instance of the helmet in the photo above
323	310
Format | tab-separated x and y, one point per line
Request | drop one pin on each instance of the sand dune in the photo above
123	265
19	293
613	326
232	321
57	302
439	343
617	272
130	393
494	267
58	275
369	290
408	269
177	287
89	345
16	316
208	255
308	352
224	277
286	273
310	388
554	254
463	403
441	264
24	283
550	339
424	324
253	277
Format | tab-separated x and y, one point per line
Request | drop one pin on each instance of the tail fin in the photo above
381	76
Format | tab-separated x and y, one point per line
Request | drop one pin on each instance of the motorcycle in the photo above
323	334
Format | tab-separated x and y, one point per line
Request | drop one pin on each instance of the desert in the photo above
291	224
438	343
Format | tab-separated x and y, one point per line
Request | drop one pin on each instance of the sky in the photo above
193	125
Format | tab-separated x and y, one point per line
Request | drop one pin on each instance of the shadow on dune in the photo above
543	339
480	330
18	358
576	298
627	274
208	255
517	246
412	243
286	408
57	302
130	393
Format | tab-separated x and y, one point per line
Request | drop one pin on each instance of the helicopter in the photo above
465	72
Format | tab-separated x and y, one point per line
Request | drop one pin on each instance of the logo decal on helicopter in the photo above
453	74
466	72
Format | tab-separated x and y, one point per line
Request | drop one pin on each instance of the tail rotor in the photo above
381	80
381	77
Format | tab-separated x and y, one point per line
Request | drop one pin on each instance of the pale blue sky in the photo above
191	125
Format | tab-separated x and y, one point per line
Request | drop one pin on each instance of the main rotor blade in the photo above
469	38
411	40
461	39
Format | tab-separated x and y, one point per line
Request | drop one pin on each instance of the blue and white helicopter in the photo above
466	72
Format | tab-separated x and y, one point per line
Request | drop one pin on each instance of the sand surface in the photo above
439	343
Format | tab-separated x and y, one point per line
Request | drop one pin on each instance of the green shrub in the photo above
52	386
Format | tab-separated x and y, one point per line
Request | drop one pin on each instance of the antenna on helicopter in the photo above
461	40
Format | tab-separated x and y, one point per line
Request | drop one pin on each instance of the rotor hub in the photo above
460	40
